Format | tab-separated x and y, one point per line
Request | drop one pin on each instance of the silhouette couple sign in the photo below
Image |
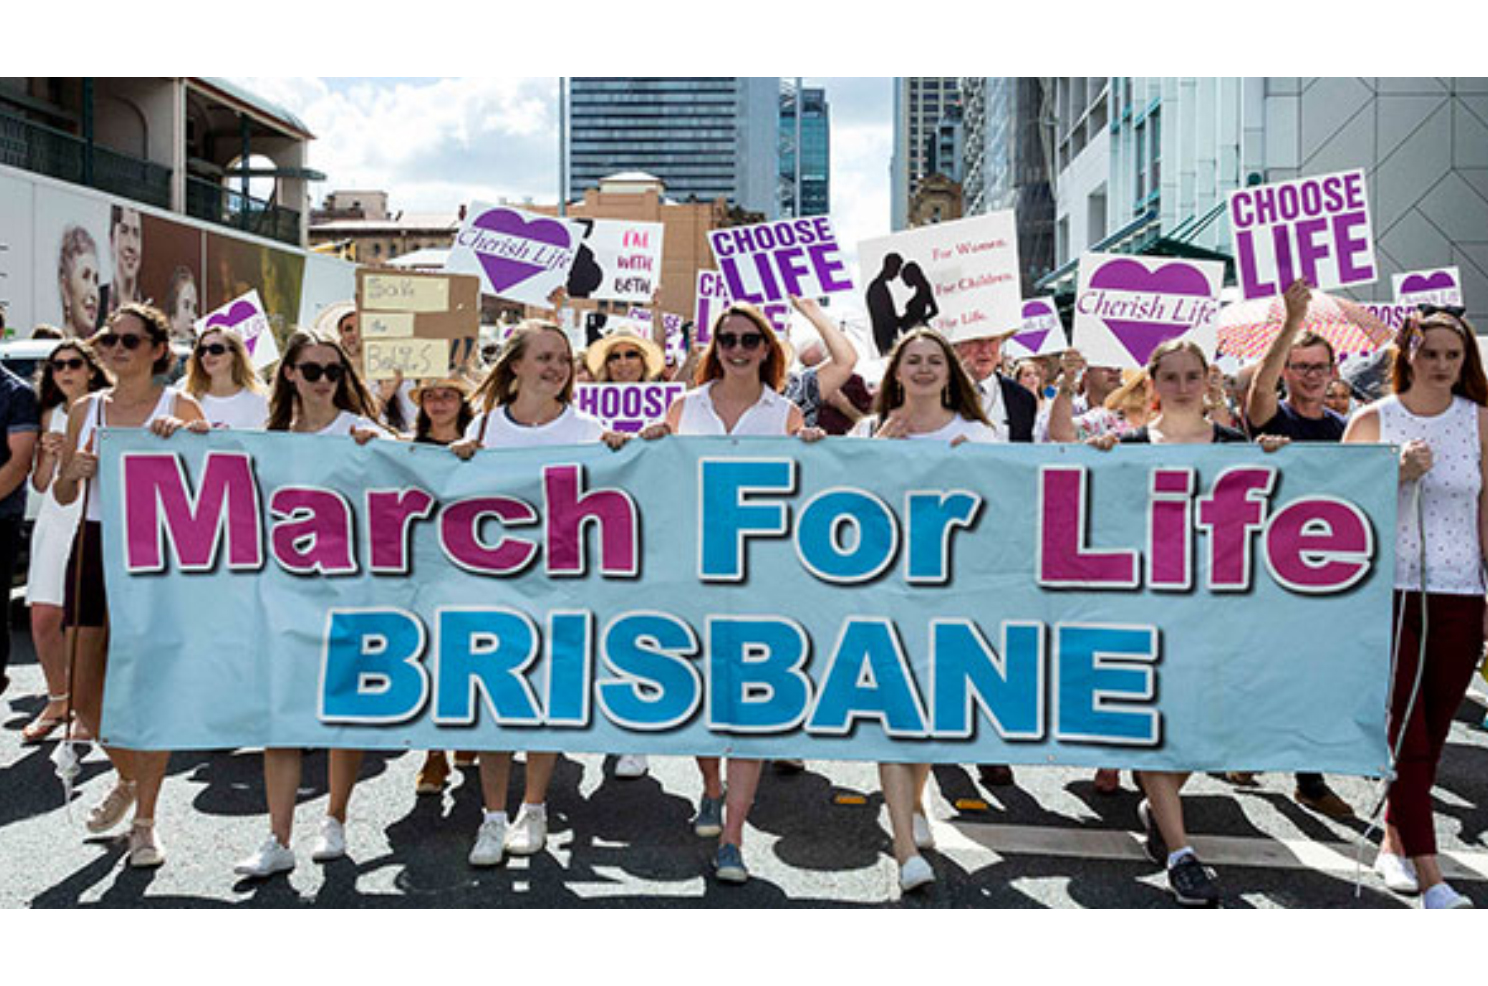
887	318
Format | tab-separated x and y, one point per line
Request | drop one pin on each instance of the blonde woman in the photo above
221	376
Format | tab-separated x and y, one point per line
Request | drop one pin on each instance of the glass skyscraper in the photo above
815	152
703	137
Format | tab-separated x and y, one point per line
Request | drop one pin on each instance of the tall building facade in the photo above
1006	163
919	104
705	138
808	146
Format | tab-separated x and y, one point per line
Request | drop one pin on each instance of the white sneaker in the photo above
631	765
1442	897
330	843
112	809
528	833
490	843
270	858
923	837
1398	872
914	874
145	850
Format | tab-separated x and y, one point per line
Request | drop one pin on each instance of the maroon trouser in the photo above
1454	645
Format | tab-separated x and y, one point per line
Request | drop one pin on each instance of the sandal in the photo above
43	726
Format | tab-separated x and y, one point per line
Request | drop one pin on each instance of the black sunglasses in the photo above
1456	311
59	364
129	340
312	372
623	354
213	349
748	342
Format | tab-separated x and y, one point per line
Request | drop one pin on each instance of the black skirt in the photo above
85	602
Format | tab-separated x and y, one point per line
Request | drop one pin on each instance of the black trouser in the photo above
10	546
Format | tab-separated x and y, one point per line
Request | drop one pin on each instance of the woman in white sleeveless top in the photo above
1437	415
70	372
928	396
739	378
220	375
135	347
317	391
526	402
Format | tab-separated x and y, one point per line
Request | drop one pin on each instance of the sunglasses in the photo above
312	372
129	340
748	342
214	349
60	364
1456	311
626	354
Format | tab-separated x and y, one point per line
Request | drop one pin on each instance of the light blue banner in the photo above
1198	608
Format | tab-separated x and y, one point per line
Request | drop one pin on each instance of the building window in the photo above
1154	153
1140	170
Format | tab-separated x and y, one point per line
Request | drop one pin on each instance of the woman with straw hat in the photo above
622	356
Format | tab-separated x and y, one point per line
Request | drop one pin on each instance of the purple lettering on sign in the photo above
508	257
1316	228
781	260
1141	335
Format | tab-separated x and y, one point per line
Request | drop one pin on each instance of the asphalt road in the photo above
819	838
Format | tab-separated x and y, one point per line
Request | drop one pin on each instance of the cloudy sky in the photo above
434	143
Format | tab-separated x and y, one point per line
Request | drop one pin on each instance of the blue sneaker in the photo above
709	820
729	864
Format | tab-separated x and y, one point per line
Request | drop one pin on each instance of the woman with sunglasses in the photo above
526	401
926	395
220	375
1179	383
739	378
135	347
624	357
316	392
70	372
1438	415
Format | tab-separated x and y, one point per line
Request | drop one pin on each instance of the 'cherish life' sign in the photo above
1313	228
518	255
780	260
1127	306
760	597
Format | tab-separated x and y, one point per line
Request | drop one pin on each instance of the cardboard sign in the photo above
1042	333
383	359
777	261
1128	306
618	261
245	316
627	407
517	255
676	346
456	323
713	297
1442	286
960	278
1317	228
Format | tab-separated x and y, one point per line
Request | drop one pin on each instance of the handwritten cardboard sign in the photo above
627	407
780	260
517	255
408	307
960	278
1442	286
617	261
246	317
1042	332
1317	228
383	359
1126	306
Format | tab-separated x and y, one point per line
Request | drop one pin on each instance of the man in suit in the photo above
1012	410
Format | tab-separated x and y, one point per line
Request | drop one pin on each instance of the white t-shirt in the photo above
345	422
974	431
243	411
572	427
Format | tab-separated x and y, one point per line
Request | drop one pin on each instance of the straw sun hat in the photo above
598	353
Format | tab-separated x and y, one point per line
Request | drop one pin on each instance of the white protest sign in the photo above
713	297
246	318
780	260
517	255
617	261
960	278
1442	286
1127	306
627	407
1315	228
1042	333
676	347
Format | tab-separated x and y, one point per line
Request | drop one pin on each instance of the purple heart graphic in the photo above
503	272
1141	338
1420	283
240	312
1031	341
1036	309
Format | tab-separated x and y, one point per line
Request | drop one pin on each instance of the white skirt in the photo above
51	544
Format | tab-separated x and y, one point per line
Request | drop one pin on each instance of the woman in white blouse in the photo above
220	375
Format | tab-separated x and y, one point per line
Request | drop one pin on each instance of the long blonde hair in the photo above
199	381
500	385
